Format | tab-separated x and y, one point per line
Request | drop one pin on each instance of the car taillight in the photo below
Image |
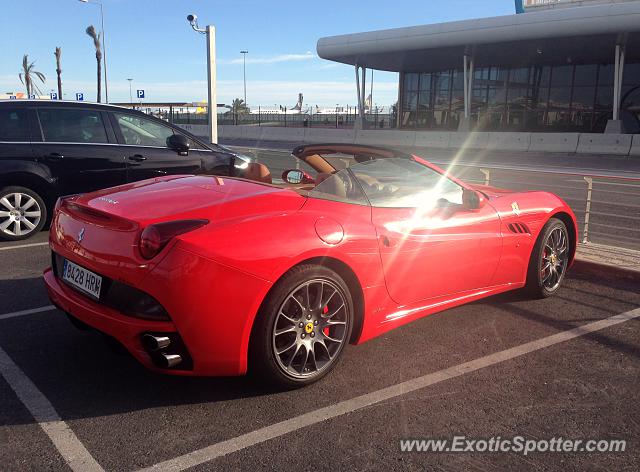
155	237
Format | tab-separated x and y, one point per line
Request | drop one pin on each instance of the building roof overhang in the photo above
581	34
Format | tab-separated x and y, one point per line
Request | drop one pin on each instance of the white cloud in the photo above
271	59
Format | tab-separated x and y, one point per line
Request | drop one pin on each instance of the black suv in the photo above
54	148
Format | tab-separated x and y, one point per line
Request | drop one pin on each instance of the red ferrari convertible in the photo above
206	275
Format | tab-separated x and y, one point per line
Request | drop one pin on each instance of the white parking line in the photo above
32	311
72	450
261	435
19	246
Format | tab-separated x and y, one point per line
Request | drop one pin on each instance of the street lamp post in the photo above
130	95
210	31
104	46
244	74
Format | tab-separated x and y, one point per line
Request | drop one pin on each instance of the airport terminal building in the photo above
561	66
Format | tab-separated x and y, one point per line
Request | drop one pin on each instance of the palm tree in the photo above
58	53
238	107
91	31
28	76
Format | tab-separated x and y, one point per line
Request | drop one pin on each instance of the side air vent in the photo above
520	228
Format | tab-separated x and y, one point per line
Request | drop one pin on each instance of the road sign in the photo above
32	97
140	93
80	96
53	95
12	97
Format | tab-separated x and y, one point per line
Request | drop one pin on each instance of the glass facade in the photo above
543	98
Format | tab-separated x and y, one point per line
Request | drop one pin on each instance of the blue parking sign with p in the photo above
53	95
80	96
140	93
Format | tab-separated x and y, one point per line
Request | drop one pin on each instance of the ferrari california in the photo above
209	275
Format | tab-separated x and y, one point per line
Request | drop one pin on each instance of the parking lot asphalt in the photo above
127	418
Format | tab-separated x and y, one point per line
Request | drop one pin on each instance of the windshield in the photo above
389	183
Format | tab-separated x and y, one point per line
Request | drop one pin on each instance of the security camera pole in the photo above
210	31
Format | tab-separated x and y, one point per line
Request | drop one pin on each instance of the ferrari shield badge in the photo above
515	208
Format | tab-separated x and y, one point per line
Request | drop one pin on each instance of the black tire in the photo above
28	225
264	362
538	284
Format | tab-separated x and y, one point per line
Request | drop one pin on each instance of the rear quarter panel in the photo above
266	246
533	209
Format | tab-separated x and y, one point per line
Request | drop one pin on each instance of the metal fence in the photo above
289	119
306	120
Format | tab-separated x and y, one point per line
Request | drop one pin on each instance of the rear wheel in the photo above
22	213
549	260
302	327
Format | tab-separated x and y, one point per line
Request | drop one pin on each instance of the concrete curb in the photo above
603	270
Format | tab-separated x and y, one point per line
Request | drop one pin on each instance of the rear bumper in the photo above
125	329
212	308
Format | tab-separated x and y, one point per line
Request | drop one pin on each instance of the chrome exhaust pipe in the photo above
155	343
170	360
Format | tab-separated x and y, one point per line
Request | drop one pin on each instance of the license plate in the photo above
82	279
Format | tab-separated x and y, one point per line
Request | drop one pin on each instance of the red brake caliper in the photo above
325	310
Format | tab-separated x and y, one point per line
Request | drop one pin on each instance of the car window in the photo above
72	125
138	131
340	187
404	183
13	125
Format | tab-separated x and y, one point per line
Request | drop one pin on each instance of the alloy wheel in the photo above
555	257
20	214
310	329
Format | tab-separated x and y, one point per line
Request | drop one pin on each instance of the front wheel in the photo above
302	327
22	213
549	260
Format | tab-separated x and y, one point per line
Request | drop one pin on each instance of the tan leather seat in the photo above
322	176
330	184
258	173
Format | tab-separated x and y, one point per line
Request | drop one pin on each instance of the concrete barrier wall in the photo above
635	146
472	140
583	143
509	141
433	139
386	137
554	142
325	135
231	131
198	130
604	144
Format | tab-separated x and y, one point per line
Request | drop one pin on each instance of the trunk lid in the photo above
167	197
100	230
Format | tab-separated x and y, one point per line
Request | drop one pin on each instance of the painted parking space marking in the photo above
66	442
261	435
31	311
21	246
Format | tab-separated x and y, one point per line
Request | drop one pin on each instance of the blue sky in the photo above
151	42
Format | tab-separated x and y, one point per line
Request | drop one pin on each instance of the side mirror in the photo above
179	143
296	177
472	199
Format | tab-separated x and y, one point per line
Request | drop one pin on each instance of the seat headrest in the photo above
258	173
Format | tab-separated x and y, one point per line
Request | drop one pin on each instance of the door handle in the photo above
54	156
137	158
